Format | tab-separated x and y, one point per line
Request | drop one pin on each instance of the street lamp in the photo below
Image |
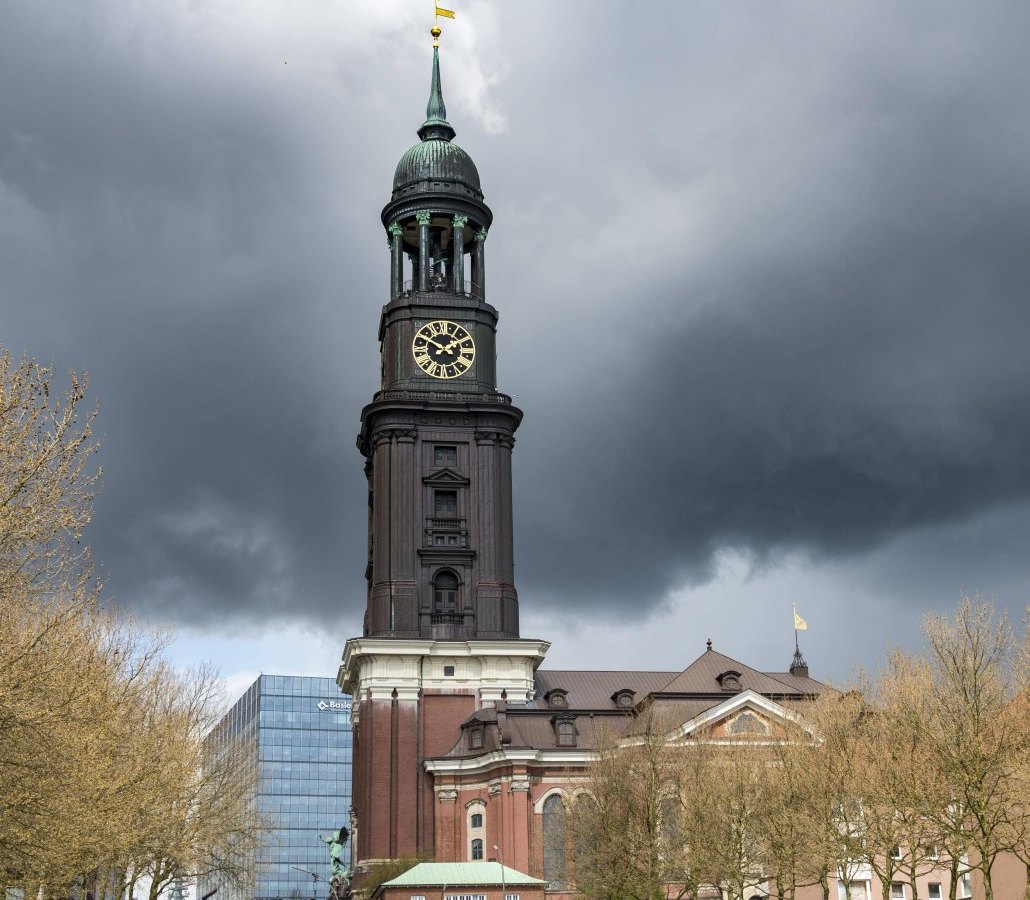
504	886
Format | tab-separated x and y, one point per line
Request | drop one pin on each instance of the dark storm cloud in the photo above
762	274
810	333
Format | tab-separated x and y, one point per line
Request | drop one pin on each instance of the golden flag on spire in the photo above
446	13
799	623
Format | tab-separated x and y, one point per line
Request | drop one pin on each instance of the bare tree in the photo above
102	776
976	732
835	781
629	834
724	785
901	792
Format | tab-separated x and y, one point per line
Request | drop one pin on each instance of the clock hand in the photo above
438	344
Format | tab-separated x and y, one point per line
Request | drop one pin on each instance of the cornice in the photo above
513	756
383	668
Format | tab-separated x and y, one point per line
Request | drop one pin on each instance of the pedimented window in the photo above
564	731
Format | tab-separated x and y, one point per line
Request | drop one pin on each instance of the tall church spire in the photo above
436	126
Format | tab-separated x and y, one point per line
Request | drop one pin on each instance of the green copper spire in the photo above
436	126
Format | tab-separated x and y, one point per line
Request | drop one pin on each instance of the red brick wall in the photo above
441	716
386	764
393	795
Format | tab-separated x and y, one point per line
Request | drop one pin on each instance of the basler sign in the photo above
332	704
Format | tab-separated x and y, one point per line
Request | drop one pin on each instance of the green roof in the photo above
460	874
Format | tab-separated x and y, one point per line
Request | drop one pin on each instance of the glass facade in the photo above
299	732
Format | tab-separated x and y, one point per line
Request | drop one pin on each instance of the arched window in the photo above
445	592
555	843
476	817
584	823
670	825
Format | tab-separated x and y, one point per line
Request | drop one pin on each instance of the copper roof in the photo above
589	699
593	690
701	677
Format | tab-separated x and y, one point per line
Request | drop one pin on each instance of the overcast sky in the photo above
763	272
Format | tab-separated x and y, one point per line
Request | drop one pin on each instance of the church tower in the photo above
441	630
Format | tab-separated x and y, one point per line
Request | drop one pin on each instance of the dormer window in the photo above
476	738
557	698
564	731
623	698
729	680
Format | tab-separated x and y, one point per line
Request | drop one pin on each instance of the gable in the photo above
745	716
446	478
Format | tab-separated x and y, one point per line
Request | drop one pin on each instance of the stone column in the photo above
458	254
423	250
479	264
396	260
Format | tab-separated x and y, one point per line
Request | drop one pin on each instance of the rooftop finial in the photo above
708	643
436	124
437	12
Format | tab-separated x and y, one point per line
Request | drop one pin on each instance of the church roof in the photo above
591	699
593	690
800	683
702	677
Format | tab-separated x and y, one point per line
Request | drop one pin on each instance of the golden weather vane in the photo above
435	30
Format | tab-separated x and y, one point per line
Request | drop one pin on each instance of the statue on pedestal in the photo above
339	885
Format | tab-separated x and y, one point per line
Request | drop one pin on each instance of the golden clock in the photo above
443	349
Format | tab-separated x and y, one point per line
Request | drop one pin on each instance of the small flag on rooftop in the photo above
446	13
799	623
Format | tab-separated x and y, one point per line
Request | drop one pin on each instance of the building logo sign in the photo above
332	704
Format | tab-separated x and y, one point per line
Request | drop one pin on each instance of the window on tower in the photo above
445	456
445	592
445	504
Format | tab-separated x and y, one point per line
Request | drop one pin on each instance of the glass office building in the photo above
299	732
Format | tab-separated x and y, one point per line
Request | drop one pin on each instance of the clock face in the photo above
443	349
